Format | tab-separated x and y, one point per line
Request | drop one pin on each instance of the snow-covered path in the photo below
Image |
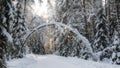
53	61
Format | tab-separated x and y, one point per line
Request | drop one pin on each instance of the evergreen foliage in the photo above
18	31
71	46
100	27
101	40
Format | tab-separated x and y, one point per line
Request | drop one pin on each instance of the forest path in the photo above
53	61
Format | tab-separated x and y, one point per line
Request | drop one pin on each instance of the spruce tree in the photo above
18	31
116	49
101	40
6	19
114	26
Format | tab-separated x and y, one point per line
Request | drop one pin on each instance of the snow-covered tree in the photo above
111	54
35	43
11	27
18	30
70	45
116	49
113	16
101	40
78	13
6	19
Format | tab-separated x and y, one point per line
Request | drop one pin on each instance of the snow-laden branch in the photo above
75	31
79	36
35	29
9	37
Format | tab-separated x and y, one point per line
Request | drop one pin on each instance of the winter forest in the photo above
88	30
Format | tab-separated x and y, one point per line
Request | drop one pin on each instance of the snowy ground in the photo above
53	61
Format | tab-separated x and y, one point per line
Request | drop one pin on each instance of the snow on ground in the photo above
53	61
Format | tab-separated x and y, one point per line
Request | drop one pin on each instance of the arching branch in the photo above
75	31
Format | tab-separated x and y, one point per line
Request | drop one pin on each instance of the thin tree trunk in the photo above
85	19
